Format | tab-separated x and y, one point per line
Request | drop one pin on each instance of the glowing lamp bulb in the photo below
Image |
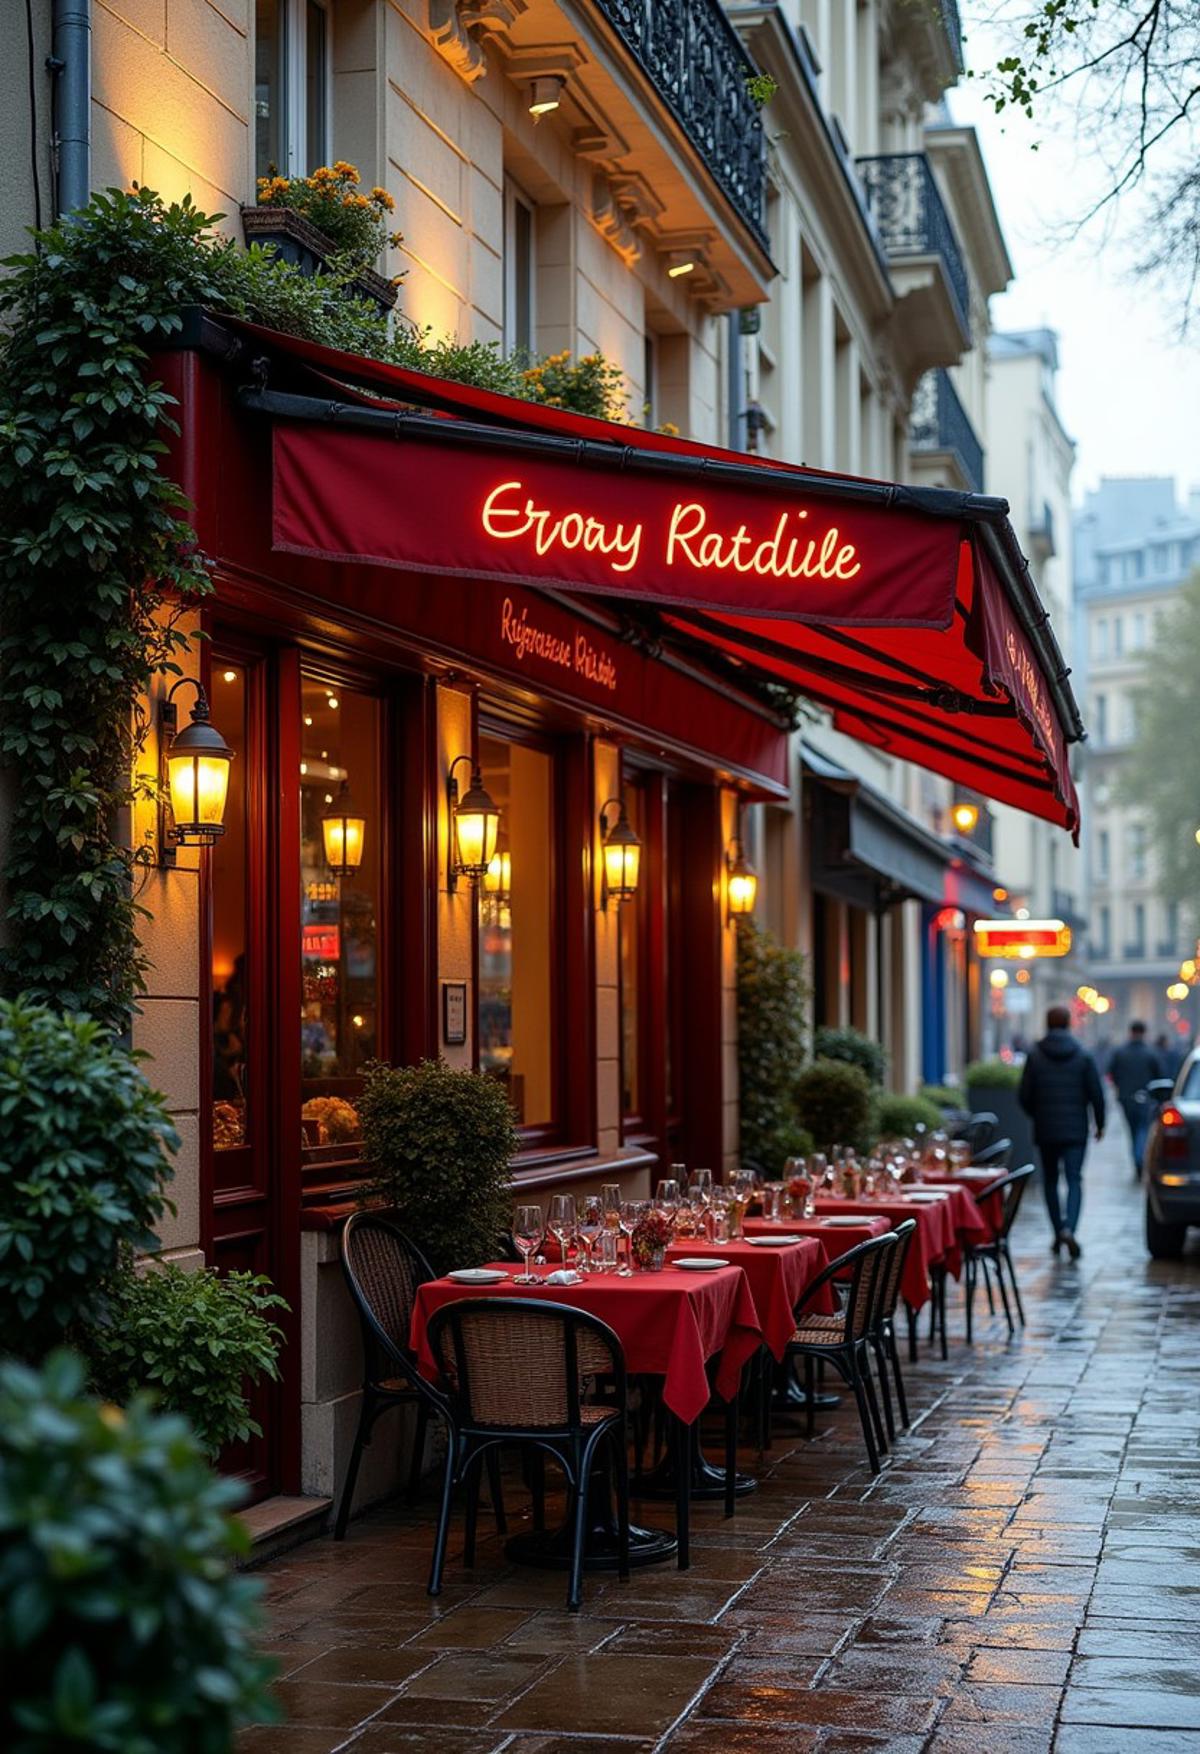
545	95
343	831
621	851
498	876
743	885
965	815
198	779
476	826
999	978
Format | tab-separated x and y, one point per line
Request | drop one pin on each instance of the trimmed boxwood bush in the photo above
772	997
942	1095
83	1143
195	1340
992	1075
852	1046
441	1142
123	1629
898	1117
833	1101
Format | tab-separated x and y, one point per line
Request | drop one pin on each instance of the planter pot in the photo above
1002	1101
298	241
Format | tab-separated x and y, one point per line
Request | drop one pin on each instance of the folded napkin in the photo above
564	1276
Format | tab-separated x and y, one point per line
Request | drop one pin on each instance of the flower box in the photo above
297	240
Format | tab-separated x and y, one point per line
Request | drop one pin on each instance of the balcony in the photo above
691	55
940	431
1041	532
929	275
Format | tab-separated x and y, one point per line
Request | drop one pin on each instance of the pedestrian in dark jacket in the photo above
1059	1085
1131	1068
1169	1056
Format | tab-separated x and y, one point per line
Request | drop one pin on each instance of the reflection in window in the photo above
270	138
230	919
339	931
630	930
516	930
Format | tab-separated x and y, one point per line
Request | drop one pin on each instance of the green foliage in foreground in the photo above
83	1143
772	998
991	1075
123	1629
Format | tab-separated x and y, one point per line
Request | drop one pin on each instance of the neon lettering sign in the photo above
785	551
577	654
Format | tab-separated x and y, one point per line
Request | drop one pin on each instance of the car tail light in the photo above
1174	1134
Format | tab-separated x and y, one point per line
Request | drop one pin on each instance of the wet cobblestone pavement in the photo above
1023	1576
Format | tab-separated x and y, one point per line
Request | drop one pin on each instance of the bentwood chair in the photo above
997	1156
980	1131
1010	1190
516	1370
883	1329
383	1271
844	1339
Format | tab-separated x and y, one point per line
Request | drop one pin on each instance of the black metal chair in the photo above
996	1253
515	1370
383	1270
883	1329
980	1131
996	1156
843	1339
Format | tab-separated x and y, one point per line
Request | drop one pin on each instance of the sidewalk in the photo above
1023	1575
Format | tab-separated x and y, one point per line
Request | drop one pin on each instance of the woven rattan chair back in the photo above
893	1271
869	1278
383	1270
520	1365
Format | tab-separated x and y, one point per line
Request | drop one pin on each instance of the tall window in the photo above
631	928
1136	850
292	64
340	746
1137	942
1103	930
1118	635
1102	855
517	1022
519	266
1137	638
1100	713
232	988
1101	637
650	377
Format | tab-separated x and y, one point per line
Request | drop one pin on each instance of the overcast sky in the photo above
1129	389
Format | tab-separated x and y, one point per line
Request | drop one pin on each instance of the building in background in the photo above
1032	457
1135	545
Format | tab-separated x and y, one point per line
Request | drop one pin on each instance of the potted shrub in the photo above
441	1142
196	1340
325	223
833	1102
852	1046
991	1086
898	1117
772	997
122	1624
81	1171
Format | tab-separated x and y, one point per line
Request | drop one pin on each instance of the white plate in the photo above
773	1242
699	1263
477	1276
845	1221
928	1194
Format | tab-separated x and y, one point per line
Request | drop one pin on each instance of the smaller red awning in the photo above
909	614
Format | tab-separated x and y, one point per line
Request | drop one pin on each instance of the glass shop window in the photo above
517	919
292	86
340	848
632	940
231	909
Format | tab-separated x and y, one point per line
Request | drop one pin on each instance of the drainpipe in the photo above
737	384
70	62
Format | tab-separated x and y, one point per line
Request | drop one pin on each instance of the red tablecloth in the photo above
835	1239
973	1182
777	1277
934	1241
669	1324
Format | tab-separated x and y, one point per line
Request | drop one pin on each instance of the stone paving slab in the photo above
1023	1577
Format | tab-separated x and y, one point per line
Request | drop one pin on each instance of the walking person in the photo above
1131	1068
1170	1057
1059	1086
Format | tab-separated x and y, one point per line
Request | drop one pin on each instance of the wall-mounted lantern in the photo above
343	830
741	881
545	94
621	852
497	879
196	776
474	825
965	816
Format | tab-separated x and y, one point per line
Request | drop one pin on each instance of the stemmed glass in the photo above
667	1197
562	1221
631	1211
591	1228
527	1234
701	1184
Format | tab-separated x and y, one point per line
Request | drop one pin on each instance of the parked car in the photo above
1172	1160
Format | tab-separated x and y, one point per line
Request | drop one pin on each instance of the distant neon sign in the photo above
1025	940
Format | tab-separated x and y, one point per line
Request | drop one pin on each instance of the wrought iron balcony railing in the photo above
903	195
691	54
939	422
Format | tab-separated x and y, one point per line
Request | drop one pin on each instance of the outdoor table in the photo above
973	1182
933	1240
776	1276
834	1239
671	1325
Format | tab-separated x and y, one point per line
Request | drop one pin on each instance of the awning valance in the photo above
908	613
865	848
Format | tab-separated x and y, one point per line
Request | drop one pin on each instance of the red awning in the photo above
910	614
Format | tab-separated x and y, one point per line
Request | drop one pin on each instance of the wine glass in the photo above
701	1184
562	1221
527	1234
591	1228
667	1195
631	1211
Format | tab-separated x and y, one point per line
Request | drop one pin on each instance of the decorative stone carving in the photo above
457	29
612	222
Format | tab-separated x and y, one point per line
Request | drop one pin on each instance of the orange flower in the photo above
383	199
348	171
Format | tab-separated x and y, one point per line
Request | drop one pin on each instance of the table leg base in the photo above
550	1550
707	1481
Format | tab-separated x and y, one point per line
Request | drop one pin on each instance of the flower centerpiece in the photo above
798	1190
651	1235
326	223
